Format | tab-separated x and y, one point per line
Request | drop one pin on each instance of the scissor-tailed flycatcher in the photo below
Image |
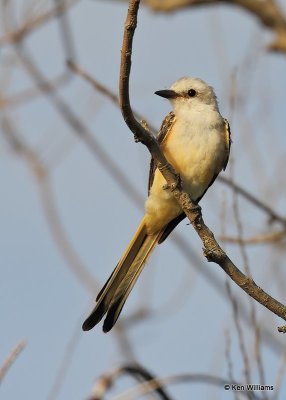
195	139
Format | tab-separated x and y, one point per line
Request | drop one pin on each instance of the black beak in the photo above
167	94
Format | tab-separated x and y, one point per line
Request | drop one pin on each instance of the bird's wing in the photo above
167	123
228	141
166	127
172	224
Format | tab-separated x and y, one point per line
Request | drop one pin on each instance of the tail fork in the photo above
114	293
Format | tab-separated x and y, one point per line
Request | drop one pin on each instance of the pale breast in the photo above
198	152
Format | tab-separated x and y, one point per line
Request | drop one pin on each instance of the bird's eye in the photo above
192	93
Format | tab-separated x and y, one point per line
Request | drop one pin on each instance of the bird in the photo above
196	141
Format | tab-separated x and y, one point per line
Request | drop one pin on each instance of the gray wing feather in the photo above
227	140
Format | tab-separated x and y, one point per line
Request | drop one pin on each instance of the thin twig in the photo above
11	358
29	94
99	87
54	223
78	127
47	200
273	215
65	29
213	252
267	12
180	242
228	182
229	360
279	377
81	130
240	335
107	380
32	24
266	238
145	388
65	363
257	335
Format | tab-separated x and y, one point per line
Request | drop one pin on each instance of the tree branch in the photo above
30	25
273	215
101	88
267	11
152	385
108	379
11	358
270	237
213	252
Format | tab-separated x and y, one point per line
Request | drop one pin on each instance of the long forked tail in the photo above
114	293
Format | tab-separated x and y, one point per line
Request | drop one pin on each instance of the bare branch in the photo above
93	82
271	237
11	358
65	28
240	334
148	387
32	93
229	360
82	131
256	329
213	252
78	127
254	200
32	24
107	380
54	223
50	211
180	242
279	377
65	363
101	88
124	184
267	11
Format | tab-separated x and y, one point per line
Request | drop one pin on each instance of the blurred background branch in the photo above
11	358
89	178
107	380
267	12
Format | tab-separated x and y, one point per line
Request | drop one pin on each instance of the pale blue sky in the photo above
41	300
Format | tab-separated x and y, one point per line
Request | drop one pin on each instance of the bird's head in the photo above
190	93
